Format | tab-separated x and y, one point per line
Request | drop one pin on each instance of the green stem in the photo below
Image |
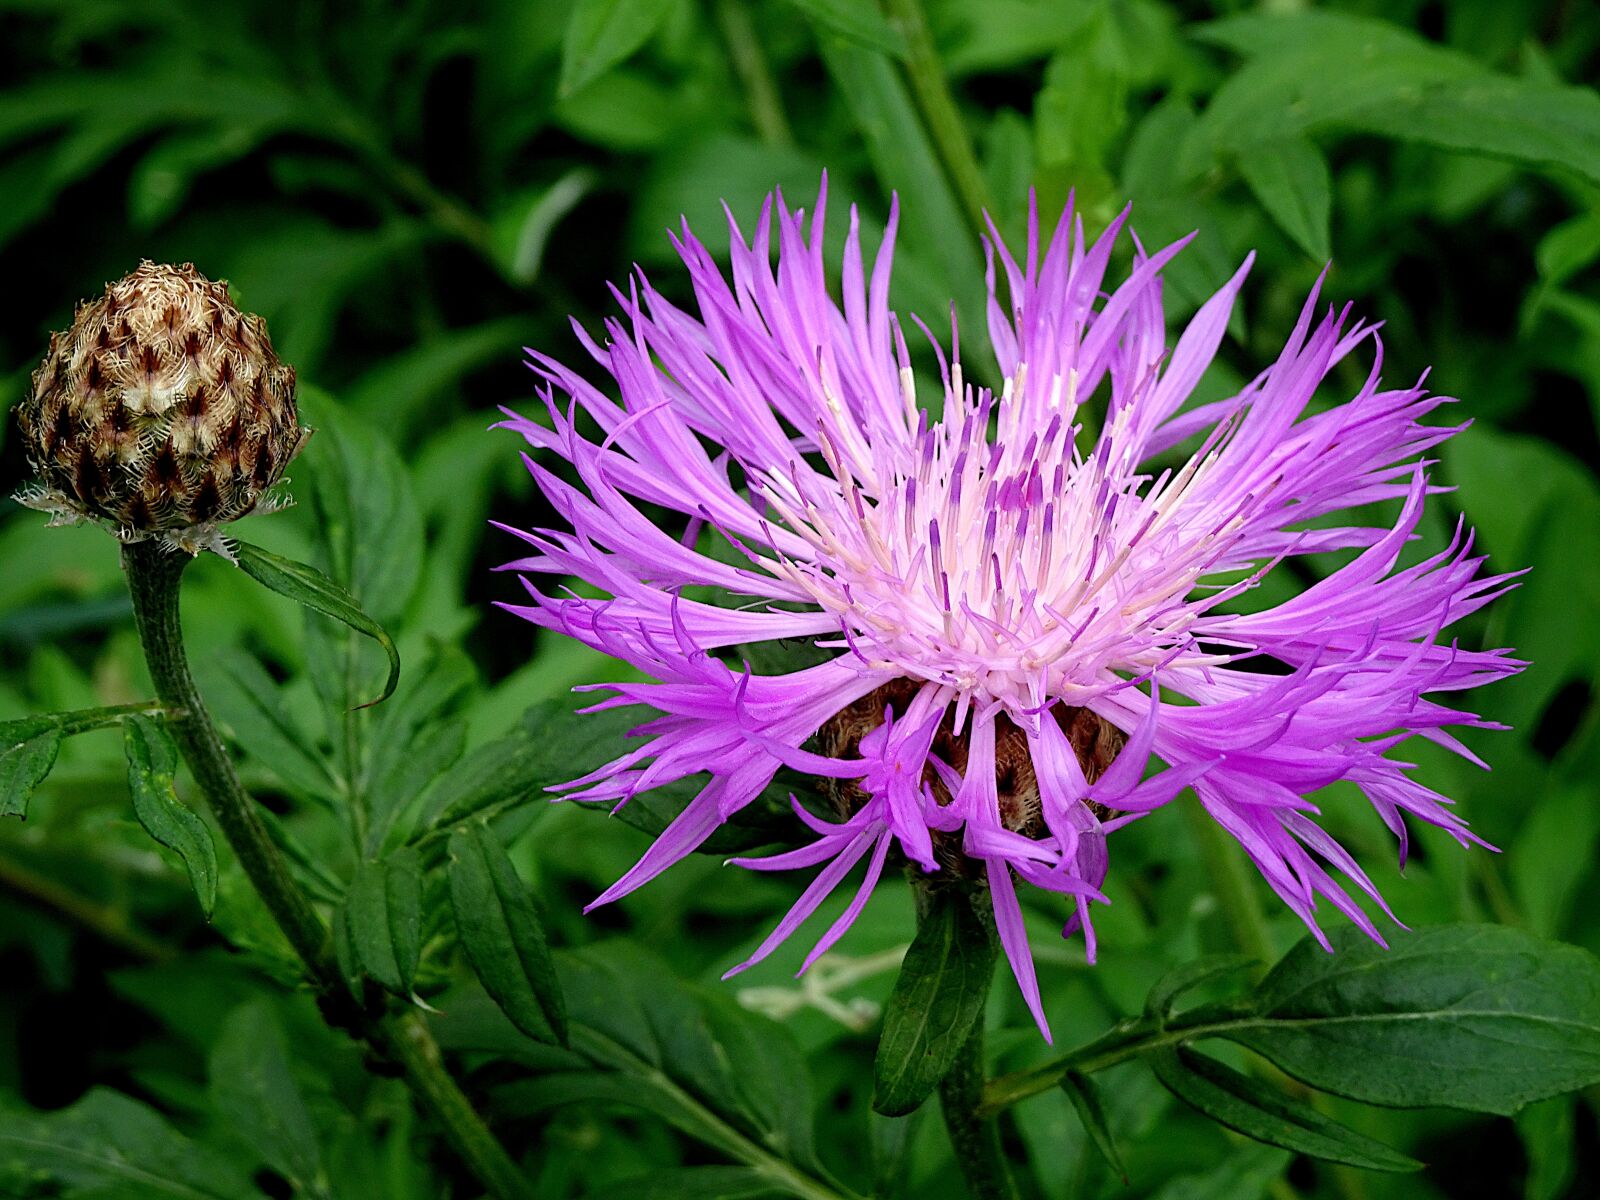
153	577
974	1134
755	75
1233	883
110	924
932	89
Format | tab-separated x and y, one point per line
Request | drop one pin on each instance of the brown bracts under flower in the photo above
1095	741
162	412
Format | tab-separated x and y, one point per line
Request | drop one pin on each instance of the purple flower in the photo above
1028	632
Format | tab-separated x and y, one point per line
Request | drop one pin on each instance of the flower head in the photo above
162	412
1027	626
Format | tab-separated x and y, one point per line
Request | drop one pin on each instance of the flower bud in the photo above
162	412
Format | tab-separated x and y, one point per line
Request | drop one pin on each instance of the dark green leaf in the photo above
253	1088
602	33
308	586
1085	1096
152	773
502	934
23	766
937	1000
1478	1017
692	1183
246	700
107	1145
383	917
1186	978
1261	1112
1289	177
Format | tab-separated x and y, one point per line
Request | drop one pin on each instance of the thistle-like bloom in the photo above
1029	632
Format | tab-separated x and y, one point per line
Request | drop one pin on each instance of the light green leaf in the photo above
503	936
308	586
1289	176
863	24
152	774
602	33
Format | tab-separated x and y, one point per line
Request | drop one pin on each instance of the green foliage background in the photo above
410	192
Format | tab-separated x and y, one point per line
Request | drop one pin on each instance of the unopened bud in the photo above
162	412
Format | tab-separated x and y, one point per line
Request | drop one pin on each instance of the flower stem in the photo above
932	89
153	578
755	74
976	1138
1230	878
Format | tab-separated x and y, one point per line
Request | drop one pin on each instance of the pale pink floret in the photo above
998	559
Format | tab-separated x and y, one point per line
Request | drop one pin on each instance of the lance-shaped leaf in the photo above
1085	1096
308	586
1257	1110
152	772
1188	976
503	936
937	999
1479	1017
23	766
383	919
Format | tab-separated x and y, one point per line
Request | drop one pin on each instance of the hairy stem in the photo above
932	89
153	578
974	1135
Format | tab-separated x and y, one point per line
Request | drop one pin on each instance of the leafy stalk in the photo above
932	89
153	580
974	1134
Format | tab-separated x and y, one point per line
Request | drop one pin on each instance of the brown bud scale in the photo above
1095	740
162	412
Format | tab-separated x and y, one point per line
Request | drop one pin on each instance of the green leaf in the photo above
692	1183
1478	1017
1085	1096
1289	177
1187	977
253	1087
937	1000
245	699
152	772
523	230
863	24
107	1145
308	586
602	33
502	934
383	918
23	767
694	1057
1258	1111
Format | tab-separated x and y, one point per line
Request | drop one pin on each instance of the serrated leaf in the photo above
23	767
383	919
863	24
152	774
1478	1017
1259	1111
937	999
1085	1096
307	586
502	934
602	33
253	1088
1289	176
